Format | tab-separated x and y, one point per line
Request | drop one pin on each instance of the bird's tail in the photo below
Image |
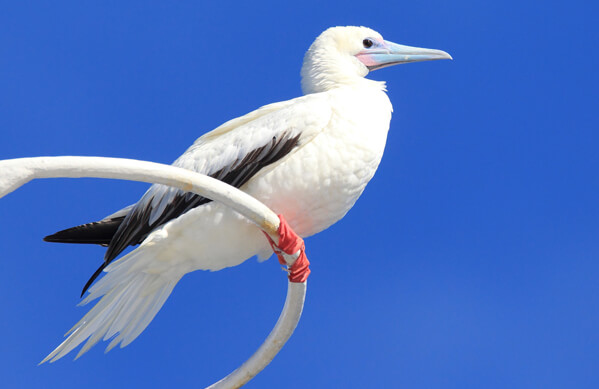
131	297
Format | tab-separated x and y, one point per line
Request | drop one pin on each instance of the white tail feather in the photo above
131	297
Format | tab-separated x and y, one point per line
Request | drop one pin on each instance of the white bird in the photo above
308	159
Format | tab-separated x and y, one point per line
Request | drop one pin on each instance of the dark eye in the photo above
367	43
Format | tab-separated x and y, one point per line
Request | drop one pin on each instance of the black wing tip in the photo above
70	236
51	238
64	236
93	278
91	233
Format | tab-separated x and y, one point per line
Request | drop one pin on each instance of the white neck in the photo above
324	70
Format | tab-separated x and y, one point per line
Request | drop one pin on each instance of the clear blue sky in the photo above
471	260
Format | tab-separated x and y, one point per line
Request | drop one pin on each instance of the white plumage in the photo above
312	158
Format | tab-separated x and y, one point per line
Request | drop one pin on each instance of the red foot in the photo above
291	246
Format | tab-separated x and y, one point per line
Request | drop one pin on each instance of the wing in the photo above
161	203
232	153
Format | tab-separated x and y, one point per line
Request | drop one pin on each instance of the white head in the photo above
344	55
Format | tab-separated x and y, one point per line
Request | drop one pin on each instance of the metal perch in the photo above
16	172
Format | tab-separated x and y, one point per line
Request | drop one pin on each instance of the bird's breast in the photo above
319	182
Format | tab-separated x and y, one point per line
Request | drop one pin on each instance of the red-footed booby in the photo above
308	159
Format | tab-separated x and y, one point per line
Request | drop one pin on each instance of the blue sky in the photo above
471	260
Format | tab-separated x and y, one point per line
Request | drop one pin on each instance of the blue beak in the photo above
389	53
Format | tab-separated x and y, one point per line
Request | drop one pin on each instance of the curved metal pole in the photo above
17	172
292	311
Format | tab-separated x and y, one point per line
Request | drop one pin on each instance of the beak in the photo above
390	53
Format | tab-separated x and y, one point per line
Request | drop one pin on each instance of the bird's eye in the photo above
367	43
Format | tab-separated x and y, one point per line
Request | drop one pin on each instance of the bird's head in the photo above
344	55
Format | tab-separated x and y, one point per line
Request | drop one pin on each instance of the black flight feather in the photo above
92	233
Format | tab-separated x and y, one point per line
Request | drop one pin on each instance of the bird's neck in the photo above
321	74
327	84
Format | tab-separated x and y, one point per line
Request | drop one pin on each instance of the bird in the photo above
308	158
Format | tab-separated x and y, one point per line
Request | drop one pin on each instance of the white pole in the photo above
290	316
17	172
